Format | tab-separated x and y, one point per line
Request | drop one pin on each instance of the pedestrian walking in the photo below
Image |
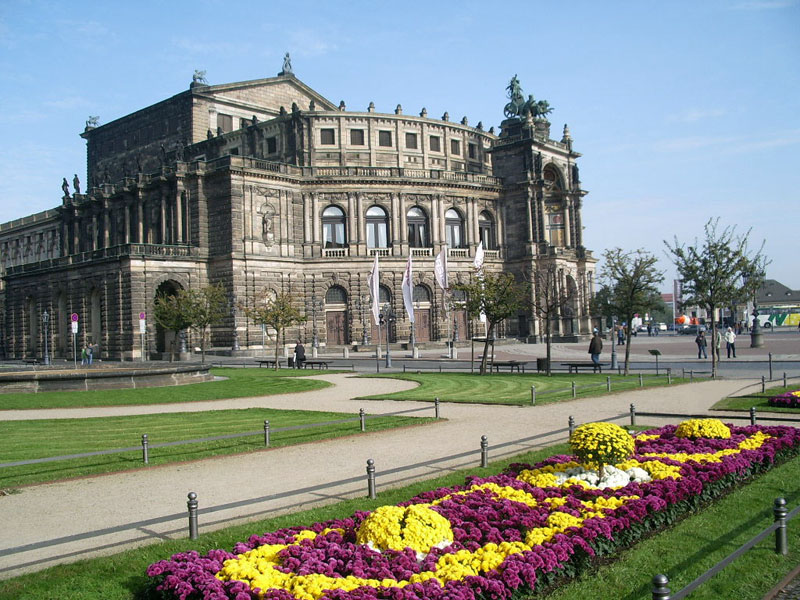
89	354
299	355
84	356
700	340
730	342
620	335
718	344
595	348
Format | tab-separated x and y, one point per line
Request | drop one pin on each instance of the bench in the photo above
31	361
575	367
320	364
269	362
511	364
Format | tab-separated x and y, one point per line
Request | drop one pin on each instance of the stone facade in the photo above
266	184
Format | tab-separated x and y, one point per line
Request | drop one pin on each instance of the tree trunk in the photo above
203	345
489	334
277	346
714	349
549	345
628	343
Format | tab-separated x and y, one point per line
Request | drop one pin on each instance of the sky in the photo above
682	111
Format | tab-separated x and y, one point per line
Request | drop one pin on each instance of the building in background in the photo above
267	184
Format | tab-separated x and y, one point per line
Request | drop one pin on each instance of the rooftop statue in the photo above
199	77
519	107
287	65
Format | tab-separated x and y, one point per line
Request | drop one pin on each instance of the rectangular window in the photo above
435	143
272	145
225	122
385	138
244	123
473	150
327	137
455	147
357	137
411	141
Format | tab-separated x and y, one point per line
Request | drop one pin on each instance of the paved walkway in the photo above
66	521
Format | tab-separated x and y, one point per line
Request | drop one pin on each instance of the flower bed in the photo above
520	530
786	400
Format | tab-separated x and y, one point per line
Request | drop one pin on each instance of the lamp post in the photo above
387	317
756	339
46	323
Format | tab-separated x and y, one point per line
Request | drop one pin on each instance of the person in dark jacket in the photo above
299	355
700	340
595	348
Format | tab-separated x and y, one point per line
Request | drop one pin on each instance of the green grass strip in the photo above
683	552
240	383
513	389
759	400
24	440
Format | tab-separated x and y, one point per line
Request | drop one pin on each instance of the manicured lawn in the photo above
23	440
758	400
508	388
240	383
683	551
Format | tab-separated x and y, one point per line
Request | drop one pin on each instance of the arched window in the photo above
421	293
454	229
334	233
377	227
336	295
487	231
384	295
417	228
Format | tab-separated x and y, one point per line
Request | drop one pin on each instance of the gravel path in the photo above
69	520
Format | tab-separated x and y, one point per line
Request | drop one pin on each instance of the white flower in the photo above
612	477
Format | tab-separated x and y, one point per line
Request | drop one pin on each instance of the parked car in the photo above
661	326
691	329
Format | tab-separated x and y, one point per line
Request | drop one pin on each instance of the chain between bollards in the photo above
660	589
752	415
436	406
371	492
266	434
574	394
633	416
608	383
571	425
484	451
363	419
533	395
145	449
192	506
780	511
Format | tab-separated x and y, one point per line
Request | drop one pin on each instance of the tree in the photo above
171	312
547	299
498	296
717	271
207	306
276	312
631	279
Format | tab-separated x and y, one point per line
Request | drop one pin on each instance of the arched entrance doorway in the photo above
166	340
385	297
422	313
336	316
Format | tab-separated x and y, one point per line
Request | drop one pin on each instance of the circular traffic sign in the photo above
142	315
74	317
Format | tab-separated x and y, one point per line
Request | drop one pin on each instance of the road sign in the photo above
142	326
75	326
74	317
142	316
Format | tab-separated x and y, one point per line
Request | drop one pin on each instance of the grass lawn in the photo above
23	440
508	388
240	383
757	399
682	552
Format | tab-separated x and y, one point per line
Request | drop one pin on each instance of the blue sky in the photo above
683	111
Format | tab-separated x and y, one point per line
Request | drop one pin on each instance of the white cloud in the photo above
692	115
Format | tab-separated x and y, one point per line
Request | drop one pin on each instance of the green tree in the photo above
547	300
718	271
277	312
631	279
171	311
498	296
206	307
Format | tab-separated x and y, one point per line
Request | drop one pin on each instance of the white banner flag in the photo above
408	291
440	268
479	256
375	290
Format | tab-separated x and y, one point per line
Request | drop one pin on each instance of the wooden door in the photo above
336	325
463	325
422	324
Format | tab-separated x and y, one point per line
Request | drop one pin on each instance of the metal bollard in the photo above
763	385
371	492
533	395
608	383
691	375
266	434
145	449
784	379
436	406
633	415
574	394
780	511
641	381
192	506
683	373
661	587
440	367
669	376
571	425
752	415
770	366
484	451
362	418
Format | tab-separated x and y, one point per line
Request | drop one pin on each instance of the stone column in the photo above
94	231
179	212
306	218
529	205
436	233
396	233
361	218
163	228
315	217
106	224
401	207
473	222
140	219
352	223
567	225
127	214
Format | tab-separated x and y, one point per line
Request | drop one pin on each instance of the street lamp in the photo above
387	317
46	323
756	340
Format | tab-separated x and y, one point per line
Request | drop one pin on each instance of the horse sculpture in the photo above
521	108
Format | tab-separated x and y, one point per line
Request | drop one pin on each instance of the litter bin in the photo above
541	365
291	362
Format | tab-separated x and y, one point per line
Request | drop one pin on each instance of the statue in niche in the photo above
268	225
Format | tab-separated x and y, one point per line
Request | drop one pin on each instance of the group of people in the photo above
87	355
730	343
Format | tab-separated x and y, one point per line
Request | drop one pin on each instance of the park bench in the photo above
269	362
320	364
511	364
31	361
575	367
